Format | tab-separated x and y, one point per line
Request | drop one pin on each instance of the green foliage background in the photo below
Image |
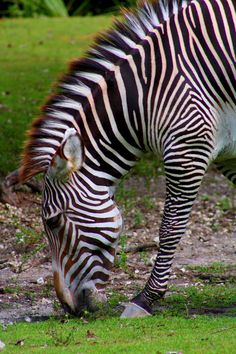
34	54
57	8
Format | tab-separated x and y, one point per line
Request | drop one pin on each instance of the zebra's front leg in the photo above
179	200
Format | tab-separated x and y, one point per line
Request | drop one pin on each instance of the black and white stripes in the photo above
163	80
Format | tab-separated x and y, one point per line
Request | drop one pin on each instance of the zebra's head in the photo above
82	223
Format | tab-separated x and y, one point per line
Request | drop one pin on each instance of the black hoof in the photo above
142	302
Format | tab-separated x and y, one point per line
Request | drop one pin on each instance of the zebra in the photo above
163	80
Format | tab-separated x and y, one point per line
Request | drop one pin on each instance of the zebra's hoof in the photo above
132	310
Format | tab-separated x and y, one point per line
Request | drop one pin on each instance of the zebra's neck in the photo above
104	93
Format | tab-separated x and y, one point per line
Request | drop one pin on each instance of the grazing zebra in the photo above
163	80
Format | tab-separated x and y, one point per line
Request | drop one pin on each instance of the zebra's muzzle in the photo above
76	302
89	300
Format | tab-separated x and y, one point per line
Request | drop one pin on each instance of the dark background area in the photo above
34	8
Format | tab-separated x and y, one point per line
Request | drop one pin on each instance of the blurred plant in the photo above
121	259
205	197
148	202
144	256
138	218
35	8
97	7
215	227
224	204
55	7
62	8
60	337
149	165
127	196
124	3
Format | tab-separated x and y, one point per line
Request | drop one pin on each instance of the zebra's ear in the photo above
68	157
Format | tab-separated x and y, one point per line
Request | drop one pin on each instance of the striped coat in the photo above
163	80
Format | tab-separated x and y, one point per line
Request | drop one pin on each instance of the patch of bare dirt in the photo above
26	289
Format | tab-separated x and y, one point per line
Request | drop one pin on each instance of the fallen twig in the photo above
140	248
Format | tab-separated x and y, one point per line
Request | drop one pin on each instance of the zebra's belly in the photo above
225	147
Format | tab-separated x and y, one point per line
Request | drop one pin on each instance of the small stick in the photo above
141	247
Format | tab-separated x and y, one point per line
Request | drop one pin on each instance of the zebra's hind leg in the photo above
182	184
228	169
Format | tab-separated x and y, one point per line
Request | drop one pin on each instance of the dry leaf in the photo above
90	334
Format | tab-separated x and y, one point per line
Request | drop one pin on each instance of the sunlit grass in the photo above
35	53
179	325
159	335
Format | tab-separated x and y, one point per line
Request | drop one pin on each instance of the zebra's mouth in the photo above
87	301
90	300
87	298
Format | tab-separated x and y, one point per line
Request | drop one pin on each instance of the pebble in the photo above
40	281
156	239
28	319
151	261
2	345
173	276
46	301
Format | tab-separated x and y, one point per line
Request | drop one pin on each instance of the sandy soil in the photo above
26	290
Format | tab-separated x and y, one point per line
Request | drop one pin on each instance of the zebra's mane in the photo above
110	49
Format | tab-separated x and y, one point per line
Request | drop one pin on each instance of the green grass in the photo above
34	53
178	326
200	299
215	268
159	335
